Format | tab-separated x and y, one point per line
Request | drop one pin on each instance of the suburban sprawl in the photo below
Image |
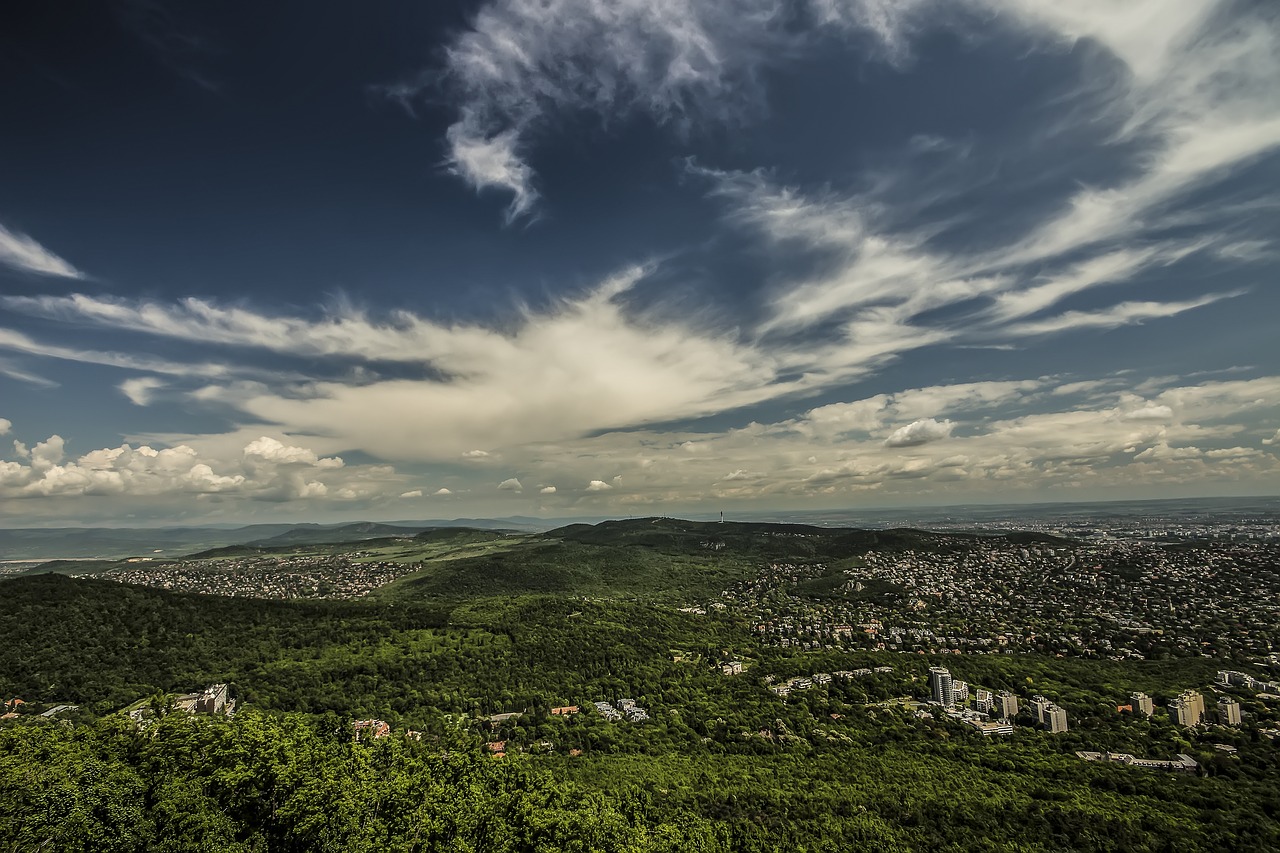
1116	686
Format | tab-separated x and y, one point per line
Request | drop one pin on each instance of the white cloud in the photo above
475	454
1063	443
1122	314
919	432
522	64
413	493
598	486
492	162
140	390
441	492
547	490
1149	413
1275	439
21	252
265	469
511	485
271	450
11	370
5	426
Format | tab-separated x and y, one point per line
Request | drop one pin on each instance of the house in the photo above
564	711
375	729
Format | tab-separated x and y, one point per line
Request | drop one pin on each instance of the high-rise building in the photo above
1228	711
985	701
960	692
1040	704
1142	704
1188	708
1055	718
940	689
1008	705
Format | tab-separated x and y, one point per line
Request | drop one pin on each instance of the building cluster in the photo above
370	730
806	682
213	699
15	707
350	575
1232	678
1131	600
1181	764
623	709
990	712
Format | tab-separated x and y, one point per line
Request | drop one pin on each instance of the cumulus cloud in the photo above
547	490
413	493
919	432
5	426
274	451
598	486
1064	443
475	454
441	492
511	485
265	469
20	252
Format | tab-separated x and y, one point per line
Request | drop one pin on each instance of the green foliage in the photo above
522	624
264	782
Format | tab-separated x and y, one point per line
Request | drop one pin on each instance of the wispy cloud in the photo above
16	341
524	64
172	37
20	252
1112	317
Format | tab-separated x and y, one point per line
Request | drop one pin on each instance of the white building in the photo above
940	688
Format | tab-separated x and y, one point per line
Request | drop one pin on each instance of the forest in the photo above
722	763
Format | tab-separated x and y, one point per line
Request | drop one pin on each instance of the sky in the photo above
298	261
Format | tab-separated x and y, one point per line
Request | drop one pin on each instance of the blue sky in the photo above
578	257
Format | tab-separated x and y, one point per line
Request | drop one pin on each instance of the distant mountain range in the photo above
84	543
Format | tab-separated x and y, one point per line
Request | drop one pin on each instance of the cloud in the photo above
492	162
524	64
475	454
11	370
5	426
598	486
140	390
919	432
441	493
414	493
511	485
1027	443
22	253
266	469
547	490
274	451
1149	413
1122	314
19	342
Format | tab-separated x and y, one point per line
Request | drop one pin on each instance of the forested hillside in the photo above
465	663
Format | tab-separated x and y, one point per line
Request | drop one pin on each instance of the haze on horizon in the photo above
611	257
